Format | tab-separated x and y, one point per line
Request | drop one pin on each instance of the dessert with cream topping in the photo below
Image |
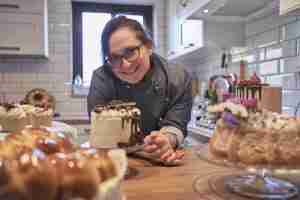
260	137
113	124
12	117
41	117
38	116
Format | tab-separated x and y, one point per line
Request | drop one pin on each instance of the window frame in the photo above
79	7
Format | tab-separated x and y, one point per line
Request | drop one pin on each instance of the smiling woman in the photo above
88	22
133	72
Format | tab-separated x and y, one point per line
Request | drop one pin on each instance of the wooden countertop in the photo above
153	182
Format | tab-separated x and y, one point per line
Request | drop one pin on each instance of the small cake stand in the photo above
258	183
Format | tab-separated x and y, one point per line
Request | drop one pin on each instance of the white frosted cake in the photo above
12	117
41	117
38	116
113	124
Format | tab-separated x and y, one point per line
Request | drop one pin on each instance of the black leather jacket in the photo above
164	96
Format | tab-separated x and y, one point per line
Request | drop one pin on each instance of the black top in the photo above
163	96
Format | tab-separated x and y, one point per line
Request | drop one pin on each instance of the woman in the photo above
132	72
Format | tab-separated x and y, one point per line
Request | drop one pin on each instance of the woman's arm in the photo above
179	110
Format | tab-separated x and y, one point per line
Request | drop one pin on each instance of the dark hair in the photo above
120	22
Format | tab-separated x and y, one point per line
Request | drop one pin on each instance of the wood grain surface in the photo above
155	182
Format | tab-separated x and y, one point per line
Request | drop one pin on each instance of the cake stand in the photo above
258	182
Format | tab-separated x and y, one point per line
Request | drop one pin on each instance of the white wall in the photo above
218	36
18	76
266	30
256	33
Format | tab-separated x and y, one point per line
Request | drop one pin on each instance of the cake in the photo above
12	117
252	138
41	117
113	124
36	162
38	116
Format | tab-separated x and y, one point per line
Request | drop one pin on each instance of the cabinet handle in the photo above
12	6
3	48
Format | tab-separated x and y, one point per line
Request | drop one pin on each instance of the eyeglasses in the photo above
129	54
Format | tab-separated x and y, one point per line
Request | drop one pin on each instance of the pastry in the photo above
12	117
256	138
36	162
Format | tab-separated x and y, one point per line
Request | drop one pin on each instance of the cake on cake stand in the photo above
255	182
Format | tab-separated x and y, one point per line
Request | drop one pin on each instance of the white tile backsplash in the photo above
291	64
290	98
18	76
266	24
266	38
259	33
292	30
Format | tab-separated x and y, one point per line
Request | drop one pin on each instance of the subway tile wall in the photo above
259	33
18	76
289	67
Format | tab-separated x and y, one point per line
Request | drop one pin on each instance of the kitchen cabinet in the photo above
289	7
22	6
186	8
23	28
176	48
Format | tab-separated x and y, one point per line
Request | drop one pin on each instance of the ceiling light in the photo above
205	11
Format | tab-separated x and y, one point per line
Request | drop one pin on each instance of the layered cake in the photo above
41	117
260	137
15	117
12	117
38	116
113	124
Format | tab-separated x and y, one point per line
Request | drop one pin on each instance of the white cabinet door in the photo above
21	34
22	6
186	8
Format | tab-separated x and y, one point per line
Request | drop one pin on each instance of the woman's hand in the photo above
161	145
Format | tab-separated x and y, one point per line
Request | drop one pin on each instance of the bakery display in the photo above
40	97
12	117
113	124
41	116
255	137
36	162
15	117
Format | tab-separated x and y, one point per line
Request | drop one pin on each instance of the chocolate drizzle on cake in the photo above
133	117
8	106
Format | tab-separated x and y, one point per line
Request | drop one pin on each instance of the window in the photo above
89	20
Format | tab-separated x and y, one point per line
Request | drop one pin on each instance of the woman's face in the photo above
129	57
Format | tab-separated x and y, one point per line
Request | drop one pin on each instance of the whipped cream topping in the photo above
122	110
28	108
16	113
3	111
42	112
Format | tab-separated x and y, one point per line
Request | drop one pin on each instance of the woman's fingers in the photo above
149	139
179	154
167	154
150	148
159	146
172	157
